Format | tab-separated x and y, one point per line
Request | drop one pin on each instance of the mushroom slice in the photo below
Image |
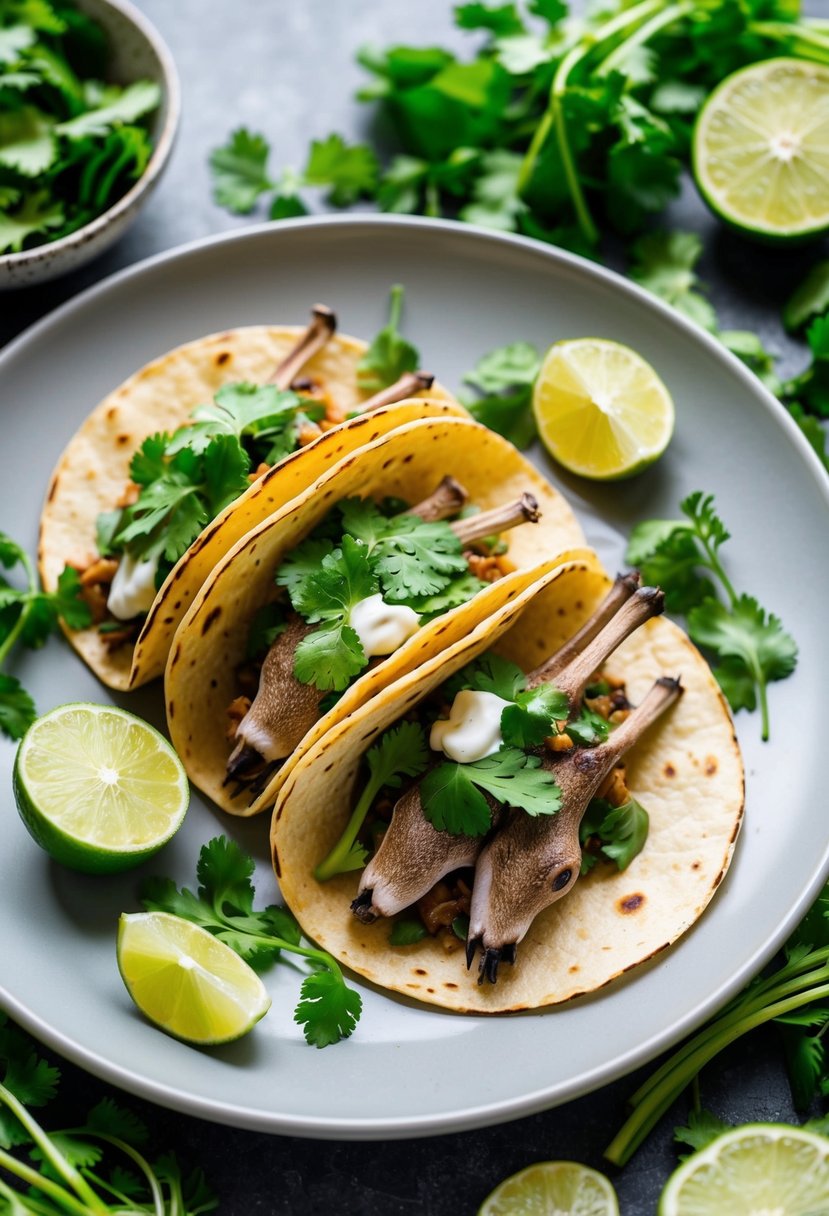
321	329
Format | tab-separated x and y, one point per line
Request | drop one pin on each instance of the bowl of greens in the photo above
89	107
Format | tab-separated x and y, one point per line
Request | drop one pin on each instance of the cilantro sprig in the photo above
407	559
328	1010
400	752
453	794
751	645
70	145
188	478
389	354
72	1170
28	616
620	832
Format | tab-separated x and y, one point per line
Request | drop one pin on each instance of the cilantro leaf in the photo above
488	673
664	263
389	354
348	172
343	578
125	106
417	558
407	932
746	633
237	409
452	798
36	214
226	467
702	1128
502	19
532	718
400	752
504	380
239	171
329	657
301	562
589	728
622	831
329	1010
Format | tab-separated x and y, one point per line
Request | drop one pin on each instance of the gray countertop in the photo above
288	69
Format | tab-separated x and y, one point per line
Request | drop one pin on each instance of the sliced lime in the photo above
553	1188
99	789
761	1168
761	149
601	410
186	981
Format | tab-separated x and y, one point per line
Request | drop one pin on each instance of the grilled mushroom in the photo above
532	862
408	385
321	329
413	854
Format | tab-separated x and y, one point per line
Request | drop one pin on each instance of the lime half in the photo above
186	981
761	149
761	1168
99	789
553	1188
601	410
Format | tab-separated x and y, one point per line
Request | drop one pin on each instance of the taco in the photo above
394	554
157	485
574	839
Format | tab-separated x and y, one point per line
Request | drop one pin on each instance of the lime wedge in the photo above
761	149
99	789
766	1168
186	981
553	1188
601	410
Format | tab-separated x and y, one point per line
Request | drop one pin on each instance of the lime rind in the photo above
758	1167
98	788
760	153
187	982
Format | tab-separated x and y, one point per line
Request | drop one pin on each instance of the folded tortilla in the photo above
686	771
93	470
408	463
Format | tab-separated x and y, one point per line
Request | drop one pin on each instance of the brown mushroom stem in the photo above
320	331
500	519
444	502
409	384
621	591
532	862
574	678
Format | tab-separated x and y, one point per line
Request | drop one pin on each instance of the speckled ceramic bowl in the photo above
137	53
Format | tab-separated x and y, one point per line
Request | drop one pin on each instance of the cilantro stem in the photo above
554	117
695	1056
53	1189
811	43
337	860
55	1158
16	629
137	1159
311	952
645	32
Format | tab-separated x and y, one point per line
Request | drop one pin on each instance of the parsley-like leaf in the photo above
389	354
664	264
503	380
240	171
809	300
329	1010
452	798
488	673
589	728
621	831
532	718
349	172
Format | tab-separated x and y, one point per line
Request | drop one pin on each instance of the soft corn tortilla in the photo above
200	681
93	470
686	771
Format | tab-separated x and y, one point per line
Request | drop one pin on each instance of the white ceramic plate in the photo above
410	1070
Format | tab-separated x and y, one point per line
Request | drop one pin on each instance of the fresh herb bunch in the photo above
793	992
551	122
360	550
186	479
71	1170
70	144
28	616
750	645
328	1010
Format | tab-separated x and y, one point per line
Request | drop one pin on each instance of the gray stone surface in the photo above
287	69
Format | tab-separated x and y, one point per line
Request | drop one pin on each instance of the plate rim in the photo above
499	1111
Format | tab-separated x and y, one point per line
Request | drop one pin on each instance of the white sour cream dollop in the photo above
473	728
382	627
133	588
